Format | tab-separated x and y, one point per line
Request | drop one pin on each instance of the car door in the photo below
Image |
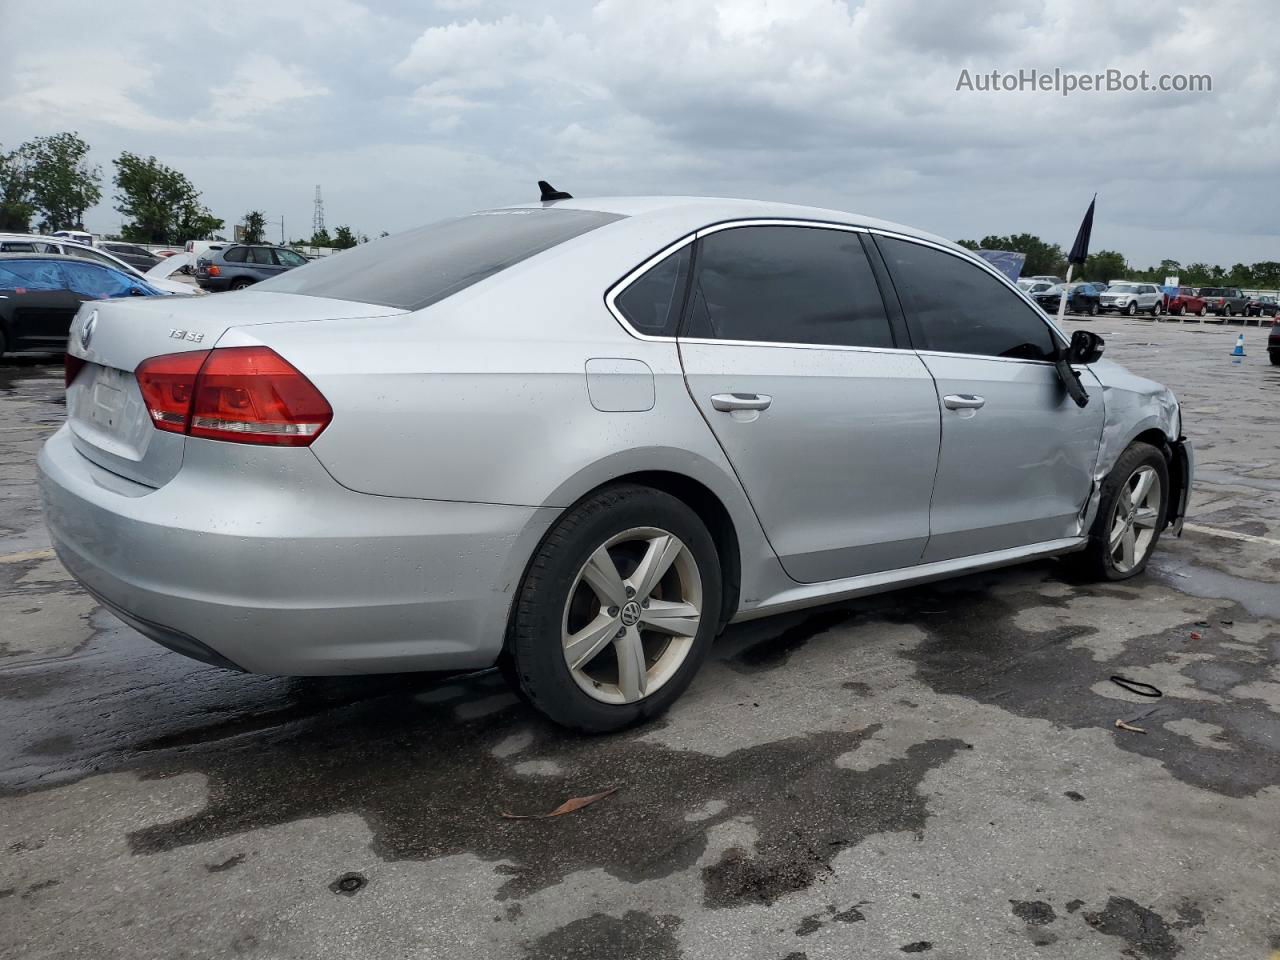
288	259
826	415
40	305
263	262
1017	456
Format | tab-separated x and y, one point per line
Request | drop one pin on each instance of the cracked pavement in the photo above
933	771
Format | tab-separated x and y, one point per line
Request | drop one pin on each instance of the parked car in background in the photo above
1046	277
1261	306
75	236
557	446
40	294
1132	298
1273	344
1099	286
1081	298
1187	301
240	265
1224	301
1032	287
41	243
130	253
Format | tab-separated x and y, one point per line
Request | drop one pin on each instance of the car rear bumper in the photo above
295	576
213	284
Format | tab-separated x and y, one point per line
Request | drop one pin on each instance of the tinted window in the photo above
957	307
787	285
652	302
287	258
17	246
31	275
236	255
420	267
262	255
95	282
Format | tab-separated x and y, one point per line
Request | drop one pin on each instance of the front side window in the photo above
97	283
652	302
955	306
287	258
778	284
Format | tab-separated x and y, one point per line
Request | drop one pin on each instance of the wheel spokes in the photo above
1142	488
661	552
633	671
582	647
677	619
1128	547
1145	517
601	575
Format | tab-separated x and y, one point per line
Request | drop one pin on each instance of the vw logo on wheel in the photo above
86	332
630	613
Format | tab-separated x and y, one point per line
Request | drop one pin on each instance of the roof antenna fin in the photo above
550	193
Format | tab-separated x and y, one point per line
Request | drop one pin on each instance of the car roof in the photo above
19	255
686	214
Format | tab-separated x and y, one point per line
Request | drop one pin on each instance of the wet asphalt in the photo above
934	771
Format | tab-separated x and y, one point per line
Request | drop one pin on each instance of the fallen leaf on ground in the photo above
1120	724
569	806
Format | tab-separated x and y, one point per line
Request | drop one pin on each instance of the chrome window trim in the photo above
713	341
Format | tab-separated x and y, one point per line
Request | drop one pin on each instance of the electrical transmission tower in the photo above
317	221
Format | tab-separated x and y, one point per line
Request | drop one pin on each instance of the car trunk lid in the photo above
109	420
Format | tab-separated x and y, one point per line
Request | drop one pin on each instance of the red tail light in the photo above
71	367
214	270
240	394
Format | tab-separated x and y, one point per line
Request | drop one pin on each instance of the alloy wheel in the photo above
632	615
1134	520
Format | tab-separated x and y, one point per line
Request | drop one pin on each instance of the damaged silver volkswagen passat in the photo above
578	438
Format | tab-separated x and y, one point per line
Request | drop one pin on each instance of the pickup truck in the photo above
1224	301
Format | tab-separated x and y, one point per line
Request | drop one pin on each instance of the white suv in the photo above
1132	298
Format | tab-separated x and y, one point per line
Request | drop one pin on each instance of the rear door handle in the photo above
963	401
740	401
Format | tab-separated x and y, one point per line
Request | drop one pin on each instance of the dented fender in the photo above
1133	406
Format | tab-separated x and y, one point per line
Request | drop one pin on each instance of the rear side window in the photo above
653	300
31	275
262	255
236	255
787	285
955	306
91	280
420	267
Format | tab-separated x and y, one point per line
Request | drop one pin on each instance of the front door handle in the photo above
963	401
740	401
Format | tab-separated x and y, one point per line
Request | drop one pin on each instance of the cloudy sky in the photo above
408	112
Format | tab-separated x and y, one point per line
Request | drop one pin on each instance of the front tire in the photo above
1093	309
618	610
1131	516
1275	357
1203	310
1132	309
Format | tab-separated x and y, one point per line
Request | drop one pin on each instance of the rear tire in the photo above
1203	310
1093	309
240	283
1275	357
1226	311
3	345
1128	526
587	588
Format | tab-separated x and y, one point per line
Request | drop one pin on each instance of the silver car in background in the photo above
578	438
1132	299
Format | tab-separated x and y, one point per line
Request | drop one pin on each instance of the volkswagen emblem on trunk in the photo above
86	332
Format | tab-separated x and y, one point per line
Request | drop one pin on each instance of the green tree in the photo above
1046	259
1266	275
1105	266
343	238
255	226
162	204
321	239
967	244
63	182
17	202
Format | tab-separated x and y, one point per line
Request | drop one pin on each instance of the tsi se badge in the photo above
86	332
191	335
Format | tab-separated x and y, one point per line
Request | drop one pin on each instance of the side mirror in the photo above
139	292
1086	347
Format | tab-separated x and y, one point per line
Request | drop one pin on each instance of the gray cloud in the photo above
407	113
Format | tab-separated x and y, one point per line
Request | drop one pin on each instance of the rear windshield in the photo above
420	267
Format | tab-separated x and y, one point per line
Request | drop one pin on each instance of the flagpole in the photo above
1062	301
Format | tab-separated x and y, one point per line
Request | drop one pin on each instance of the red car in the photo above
1186	301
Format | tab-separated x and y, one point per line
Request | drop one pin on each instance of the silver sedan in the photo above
577	438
